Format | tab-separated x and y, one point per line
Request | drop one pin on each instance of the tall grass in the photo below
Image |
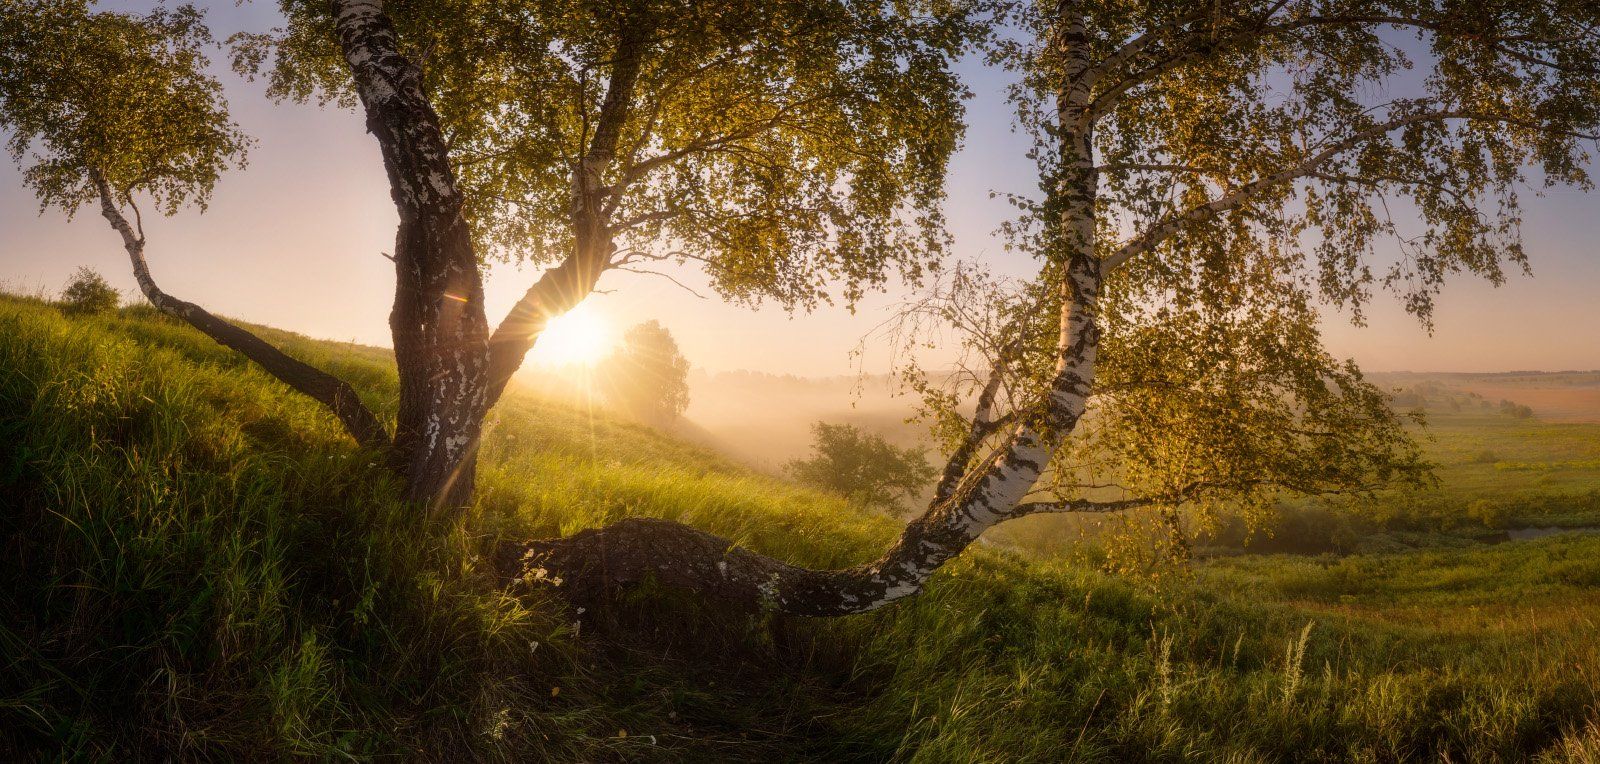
197	564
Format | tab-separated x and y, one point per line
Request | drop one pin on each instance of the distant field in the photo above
1493	456
1485	449
1544	468
1554	396
1497	468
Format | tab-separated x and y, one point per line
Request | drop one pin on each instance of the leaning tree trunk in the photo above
589	565
330	391
451	372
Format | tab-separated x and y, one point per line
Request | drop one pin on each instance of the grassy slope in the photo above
196	563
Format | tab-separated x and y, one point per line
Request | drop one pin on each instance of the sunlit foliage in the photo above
779	144
1254	163
119	94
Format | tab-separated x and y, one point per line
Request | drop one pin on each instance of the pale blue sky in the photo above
294	241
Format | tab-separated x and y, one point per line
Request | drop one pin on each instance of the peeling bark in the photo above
452	370
330	391
441	336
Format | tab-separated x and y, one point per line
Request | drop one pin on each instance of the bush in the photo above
1515	410
862	467
1493	514
88	293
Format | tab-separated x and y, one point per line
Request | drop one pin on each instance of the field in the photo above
195	564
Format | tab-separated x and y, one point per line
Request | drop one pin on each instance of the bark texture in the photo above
441	337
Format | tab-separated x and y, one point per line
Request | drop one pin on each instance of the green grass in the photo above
1489	456
198	564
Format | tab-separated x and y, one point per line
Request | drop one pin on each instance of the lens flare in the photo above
579	337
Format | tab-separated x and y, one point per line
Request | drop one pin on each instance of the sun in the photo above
580	337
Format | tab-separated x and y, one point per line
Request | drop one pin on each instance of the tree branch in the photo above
644	166
561	288
1168	227
1108	99
330	391
1085	506
557	291
680	284
982	427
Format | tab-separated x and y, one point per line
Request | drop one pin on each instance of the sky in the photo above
294	240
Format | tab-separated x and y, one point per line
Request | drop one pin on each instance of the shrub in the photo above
862	466
88	293
1515	410
1493	514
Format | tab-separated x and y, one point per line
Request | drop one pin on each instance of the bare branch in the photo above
668	277
1085	506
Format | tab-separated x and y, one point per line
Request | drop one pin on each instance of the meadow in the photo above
197	564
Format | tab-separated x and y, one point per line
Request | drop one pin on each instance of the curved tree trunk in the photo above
557	291
588	565
330	391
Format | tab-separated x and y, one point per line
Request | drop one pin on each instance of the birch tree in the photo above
783	146
1209	171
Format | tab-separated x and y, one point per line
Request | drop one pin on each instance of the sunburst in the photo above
579	337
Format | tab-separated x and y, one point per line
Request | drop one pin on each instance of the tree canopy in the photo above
118	95
782	145
1231	169
111	106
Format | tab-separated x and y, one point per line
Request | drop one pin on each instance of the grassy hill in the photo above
195	563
